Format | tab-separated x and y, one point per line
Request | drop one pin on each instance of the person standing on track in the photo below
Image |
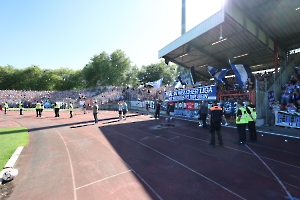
56	109
5	107
250	108
95	112
21	108
42	109
241	122
84	108
214	120
203	113
38	108
71	109
157	111
147	107
120	110
125	109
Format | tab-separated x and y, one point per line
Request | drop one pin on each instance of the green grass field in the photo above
10	139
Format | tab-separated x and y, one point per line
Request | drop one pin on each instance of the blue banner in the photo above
204	93
291	120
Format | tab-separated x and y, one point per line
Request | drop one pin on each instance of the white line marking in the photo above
181	165
102	179
279	181
72	171
238	150
127	164
80	139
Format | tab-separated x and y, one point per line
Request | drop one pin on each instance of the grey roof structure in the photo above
248	30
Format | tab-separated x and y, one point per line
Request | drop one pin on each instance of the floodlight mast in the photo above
183	18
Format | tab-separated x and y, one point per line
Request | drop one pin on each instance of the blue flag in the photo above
218	75
177	84
242	73
156	84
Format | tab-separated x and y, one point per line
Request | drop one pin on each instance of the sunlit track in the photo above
208	142
224	135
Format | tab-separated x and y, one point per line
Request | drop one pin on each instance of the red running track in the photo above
134	159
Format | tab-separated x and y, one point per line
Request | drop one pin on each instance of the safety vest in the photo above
71	107
38	106
5	105
20	106
42	106
57	106
253	113
244	118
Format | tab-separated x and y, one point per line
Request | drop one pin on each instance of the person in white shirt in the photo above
120	109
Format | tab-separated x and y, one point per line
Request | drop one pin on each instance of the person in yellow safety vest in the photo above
241	122
56	109
21	108
38	109
71	109
250	108
5	107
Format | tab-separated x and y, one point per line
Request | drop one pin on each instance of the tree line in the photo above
102	70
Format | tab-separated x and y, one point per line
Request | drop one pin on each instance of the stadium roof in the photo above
249	30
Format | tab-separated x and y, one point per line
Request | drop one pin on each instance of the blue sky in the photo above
67	33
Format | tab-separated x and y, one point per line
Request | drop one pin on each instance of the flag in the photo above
242	72
193	73
177	84
218	75
156	84
211	70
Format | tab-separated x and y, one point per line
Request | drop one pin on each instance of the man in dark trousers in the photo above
95	112
241	122
203	113
250	108
21	108
157	111
215	119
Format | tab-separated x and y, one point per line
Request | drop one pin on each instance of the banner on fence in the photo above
204	93
287	119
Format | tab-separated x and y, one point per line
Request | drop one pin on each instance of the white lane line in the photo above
72	171
103	179
279	181
80	140
181	164
154	192
239	150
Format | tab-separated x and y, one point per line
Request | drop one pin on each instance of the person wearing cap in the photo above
215	117
95	112
71	109
241	122
250	108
